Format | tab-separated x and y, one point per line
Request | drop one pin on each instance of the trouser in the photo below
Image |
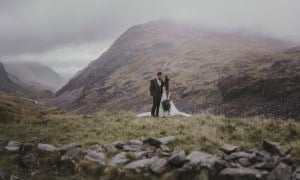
155	106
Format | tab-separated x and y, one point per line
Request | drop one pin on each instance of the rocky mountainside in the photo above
6	85
34	76
196	59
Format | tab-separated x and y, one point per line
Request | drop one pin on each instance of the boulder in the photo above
244	162
167	139
228	148
135	142
165	148
240	174
296	174
119	160
47	147
152	142
159	166
132	147
237	155
13	146
178	158
73	153
95	156
141	165
204	160
274	148
281	172
97	147
68	147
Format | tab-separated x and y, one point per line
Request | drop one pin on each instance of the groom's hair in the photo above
159	73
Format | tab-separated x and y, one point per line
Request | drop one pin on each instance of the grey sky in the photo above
68	34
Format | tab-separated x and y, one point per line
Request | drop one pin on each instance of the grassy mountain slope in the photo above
193	57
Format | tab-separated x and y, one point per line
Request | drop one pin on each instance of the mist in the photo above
68	34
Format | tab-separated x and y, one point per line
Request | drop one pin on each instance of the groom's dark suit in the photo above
156	91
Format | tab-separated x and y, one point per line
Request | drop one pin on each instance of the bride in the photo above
173	111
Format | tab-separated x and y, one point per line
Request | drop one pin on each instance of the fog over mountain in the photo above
69	34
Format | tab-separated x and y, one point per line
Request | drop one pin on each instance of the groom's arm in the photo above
151	87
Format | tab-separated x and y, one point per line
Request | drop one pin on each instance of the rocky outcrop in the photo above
148	160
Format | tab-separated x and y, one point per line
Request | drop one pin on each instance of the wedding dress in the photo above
173	110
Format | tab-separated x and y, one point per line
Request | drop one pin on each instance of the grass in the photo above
200	132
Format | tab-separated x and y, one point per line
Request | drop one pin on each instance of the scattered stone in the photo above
281	172
205	160
111	149
240	174
13	146
95	156
68	147
97	148
244	162
153	142
261	156
132	147
159	166
73	153
228	148
266	165
141	165
117	144
28	160
165	148
119	160
47	147
274	148
161	153
135	142
296	175
237	155
178	158
168	139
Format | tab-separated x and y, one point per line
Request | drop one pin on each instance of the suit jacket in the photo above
155	88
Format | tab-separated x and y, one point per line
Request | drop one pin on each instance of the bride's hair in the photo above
167	80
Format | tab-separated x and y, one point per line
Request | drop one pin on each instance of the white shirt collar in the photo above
158	81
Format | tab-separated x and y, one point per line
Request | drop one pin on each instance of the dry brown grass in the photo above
199	132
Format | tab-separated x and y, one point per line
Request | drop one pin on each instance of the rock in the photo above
178	158
95	156
152	142
117	144
135	142
132	147
68	147
165	148
228	149
268	165
73	153
13	146
111	149
205	160
244	162
274	148
239	174
141	165
161	153
159	166
281	172
237	155
168	139
28	161
296	174
97	148
47	147
262	156
119	160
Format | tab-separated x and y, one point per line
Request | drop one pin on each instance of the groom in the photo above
156	90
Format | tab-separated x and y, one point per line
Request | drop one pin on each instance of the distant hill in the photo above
34	76
197	60
6	85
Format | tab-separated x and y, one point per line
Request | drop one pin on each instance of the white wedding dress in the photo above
173	110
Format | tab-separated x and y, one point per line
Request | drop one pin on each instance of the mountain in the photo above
6	85
196	59
34	76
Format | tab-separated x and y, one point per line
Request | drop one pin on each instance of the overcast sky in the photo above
68	34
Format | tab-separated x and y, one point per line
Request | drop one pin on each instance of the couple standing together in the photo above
160	91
